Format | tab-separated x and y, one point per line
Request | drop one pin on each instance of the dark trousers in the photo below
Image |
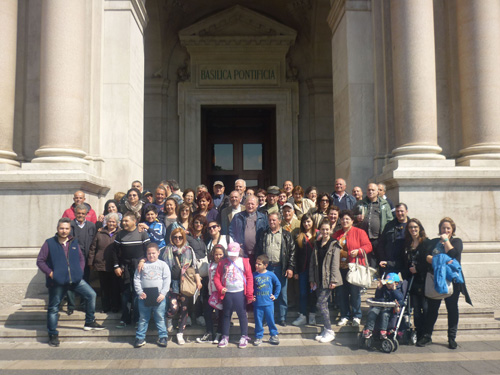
452	308
420	311
110	290
235	302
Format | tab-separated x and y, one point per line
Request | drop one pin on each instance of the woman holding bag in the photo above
451	246
355	245
179	257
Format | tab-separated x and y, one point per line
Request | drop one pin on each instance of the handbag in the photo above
430	291
215	301
188	284
202	265
359	274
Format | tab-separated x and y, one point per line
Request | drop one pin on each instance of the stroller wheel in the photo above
395	342
387	346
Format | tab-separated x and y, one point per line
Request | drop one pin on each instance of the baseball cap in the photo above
219	183
233	249
287	204
392	278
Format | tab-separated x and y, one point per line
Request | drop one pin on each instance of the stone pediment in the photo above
237	25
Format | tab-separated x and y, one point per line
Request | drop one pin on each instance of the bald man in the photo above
79	198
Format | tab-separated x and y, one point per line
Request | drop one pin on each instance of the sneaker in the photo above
300	321
274	340
328	337
94	326
122	324
205	339
223	342
452	344
54	340
356	322
243	342
257	342
342	322
321	335
162	342
424	340
139	342
217	338
189	323
312	319
180	339
383	335
283	323
367	333
200	321
170	325
70	312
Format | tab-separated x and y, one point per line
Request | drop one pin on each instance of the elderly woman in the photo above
132	204
312	193
100	260
355	244
300	204
179	257
189	196
415	265
452	246
206	206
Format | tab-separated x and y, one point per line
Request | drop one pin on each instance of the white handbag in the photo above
359	274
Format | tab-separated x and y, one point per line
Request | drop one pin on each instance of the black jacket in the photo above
287	258
391	249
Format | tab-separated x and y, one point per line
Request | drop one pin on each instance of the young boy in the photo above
155	230
152	285
267	288
387	291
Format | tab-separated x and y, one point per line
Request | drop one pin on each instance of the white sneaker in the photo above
321	335
328	337
300	321
200	321
342	322
356	322
180	339
312	319
170	325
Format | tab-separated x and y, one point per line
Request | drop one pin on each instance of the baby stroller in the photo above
401	331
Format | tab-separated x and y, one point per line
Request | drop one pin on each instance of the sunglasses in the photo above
212	227
177	237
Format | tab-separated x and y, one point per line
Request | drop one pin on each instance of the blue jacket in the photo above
66	270
444	271
237	226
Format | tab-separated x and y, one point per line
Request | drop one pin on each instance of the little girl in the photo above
211	299
234	281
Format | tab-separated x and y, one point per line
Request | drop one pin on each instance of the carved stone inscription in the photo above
238	75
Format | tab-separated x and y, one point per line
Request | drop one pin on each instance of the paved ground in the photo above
475	355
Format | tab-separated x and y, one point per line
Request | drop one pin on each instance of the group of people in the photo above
192	254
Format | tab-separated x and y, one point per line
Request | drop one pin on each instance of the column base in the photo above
488	152
8	157
60	155
418	152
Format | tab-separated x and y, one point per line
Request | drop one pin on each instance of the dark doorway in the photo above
238	142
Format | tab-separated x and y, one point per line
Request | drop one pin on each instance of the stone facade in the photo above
97	93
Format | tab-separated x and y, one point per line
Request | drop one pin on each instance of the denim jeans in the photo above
348	297
57	292
307	298
384	312
282	301
145	315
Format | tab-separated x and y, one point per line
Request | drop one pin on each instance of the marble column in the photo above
414	74
478	34
8	46
62	81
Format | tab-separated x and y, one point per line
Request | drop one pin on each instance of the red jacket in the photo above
70	212
220	277
356	239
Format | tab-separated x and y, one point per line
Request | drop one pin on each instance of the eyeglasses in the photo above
177	237
412	227
212	227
